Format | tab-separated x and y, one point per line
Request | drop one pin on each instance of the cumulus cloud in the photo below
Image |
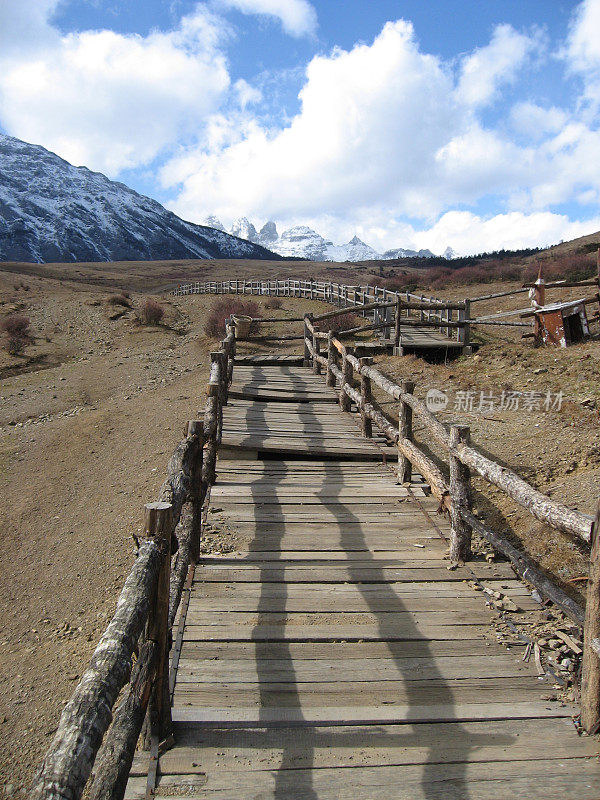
484	71
371	121
386	132
298	17
107	100
468	233
583	46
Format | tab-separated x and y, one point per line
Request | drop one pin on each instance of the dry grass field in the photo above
92	409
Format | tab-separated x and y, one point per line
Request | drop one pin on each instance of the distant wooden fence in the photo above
341	365
142	625
387	308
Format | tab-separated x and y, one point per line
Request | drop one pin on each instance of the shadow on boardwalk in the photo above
294	778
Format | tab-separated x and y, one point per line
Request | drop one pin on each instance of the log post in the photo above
397	322
195	427
158	525
218	359
306	359
345	402
405	432
316	367
460	497
590	680
331	351
366	425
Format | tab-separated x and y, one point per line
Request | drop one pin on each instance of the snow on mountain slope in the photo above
303	242
355	250
53	211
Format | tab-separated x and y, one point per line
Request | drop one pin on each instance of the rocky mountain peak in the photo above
53	211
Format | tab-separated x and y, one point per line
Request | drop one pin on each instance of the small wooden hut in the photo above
562	324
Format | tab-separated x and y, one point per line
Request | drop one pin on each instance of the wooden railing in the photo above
142	625
454	492
388	309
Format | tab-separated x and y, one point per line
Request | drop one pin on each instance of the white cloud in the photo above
583	46
582	51
371	121
298	17
498	63
468	233
535	122
247	95
25	26
386	131
112	101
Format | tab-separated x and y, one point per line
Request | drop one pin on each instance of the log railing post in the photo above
405	432
397	324
331	351
195	427
158	525
590	680
366	425
316	352
464	331
307	335
345	401
460	497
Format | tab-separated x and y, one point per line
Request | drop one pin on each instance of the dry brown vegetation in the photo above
92	409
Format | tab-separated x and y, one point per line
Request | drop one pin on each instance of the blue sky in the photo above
473	125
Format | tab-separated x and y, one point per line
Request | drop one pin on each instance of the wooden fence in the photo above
454	493
387	308
133	653
91	735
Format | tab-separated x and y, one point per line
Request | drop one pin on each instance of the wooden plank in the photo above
413	630
341	575
572	779
357	693
353	671
340	650
351	715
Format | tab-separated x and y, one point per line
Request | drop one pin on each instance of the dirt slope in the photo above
91	414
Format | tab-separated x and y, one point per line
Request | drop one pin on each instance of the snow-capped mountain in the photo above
53	211
400	252
303	242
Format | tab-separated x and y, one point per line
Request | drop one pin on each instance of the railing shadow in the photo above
294	778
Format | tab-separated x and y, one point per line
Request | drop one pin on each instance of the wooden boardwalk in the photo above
334	655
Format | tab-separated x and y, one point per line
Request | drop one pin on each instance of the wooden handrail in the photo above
456	498
150	598
352	299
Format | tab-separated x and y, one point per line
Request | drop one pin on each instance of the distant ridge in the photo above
303	242
52	211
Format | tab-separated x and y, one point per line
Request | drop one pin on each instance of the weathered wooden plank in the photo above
375	671
393	745
348	715
340	650
561	780
299	575
330	694
414	630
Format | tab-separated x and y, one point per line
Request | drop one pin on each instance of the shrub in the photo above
226	307
566	268
274	302
16	330
343	323
152	312
119	300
